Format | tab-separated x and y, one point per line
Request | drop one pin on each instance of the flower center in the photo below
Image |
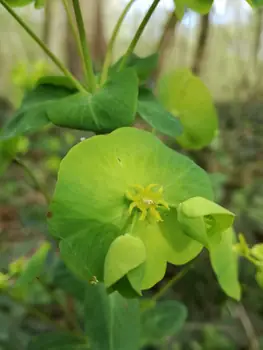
148	200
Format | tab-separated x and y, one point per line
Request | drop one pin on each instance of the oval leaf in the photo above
186	96
156	116
112	322
224	261
164	320
125	254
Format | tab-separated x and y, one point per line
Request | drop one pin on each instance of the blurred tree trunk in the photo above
93	18
98	39
201	45
256	44
47	22
166	41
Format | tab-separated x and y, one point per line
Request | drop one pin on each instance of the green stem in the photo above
35	181
170	283
139	33
73	28
57	62
116	30
89	74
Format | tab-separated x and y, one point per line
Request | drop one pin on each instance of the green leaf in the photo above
204	220
66	281
144	66
255	3
257	251
55	100
33	267
39	4
180	8
112	322
156	116
259	278
18	3
224	261
33	113
200	6
111	107
7	153
166	319
58	341
125	254
186	96
85	252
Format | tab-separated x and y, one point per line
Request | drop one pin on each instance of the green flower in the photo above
125	205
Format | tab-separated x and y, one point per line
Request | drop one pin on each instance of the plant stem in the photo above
116	30
139	33
73	28
35	181
89	74
57	62
172	281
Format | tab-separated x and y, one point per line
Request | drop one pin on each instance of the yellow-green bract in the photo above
125	204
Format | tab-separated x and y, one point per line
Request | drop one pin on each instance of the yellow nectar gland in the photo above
147	200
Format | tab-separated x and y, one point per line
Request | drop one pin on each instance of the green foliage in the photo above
224	261
152	111
112	322
9	149
200	6
204	220
33	113
19	3
55	100
188	99
164	320
255	3
33	267
58	341
143	66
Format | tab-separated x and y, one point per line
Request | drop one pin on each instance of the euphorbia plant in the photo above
125	204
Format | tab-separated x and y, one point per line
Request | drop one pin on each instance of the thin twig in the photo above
57	62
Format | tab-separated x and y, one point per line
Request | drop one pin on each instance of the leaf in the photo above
179	8
8	150
32	115
143	66
58	341
65	280
200	6
125	254
259	278
164	320
111	107
156	116
33	267
112	322
224	261
257	251
186	96
55	100
204	220
84	253
255	3
18	3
